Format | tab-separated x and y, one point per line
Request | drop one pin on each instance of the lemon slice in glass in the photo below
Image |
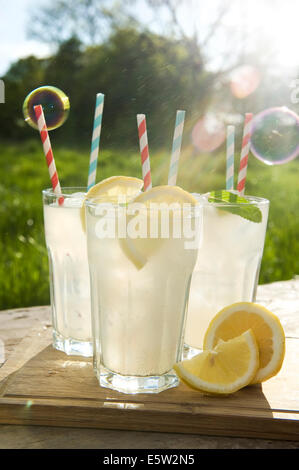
139	250
110	189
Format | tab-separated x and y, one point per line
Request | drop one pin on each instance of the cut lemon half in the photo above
110	188
138	249
225	369
239	317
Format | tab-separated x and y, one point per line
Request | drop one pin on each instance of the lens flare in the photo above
244	81
208	133
55	104
275	136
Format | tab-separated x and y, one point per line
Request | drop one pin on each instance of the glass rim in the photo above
253	201
71	190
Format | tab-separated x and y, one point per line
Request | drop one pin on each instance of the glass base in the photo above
136	384
72	347
189	352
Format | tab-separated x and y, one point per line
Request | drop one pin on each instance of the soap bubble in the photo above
55	105
275	136
208	133
244	81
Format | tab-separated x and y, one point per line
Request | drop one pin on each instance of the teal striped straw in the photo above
176	147
95	141
230	156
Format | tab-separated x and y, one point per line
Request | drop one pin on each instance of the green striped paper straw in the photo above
176	147
95	141
230	157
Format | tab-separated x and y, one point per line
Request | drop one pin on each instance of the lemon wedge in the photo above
110	188
239	317
225	369
139	250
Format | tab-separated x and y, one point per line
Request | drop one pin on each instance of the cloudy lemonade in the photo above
227	266
139	297
69	273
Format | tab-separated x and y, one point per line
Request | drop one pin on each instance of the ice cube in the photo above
74	200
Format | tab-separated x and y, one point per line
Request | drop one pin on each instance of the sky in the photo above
14	44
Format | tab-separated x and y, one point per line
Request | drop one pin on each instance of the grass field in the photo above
23	257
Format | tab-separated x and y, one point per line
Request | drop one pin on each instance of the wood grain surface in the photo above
42	386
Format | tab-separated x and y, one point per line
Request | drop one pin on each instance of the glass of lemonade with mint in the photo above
140	278
69	273
229	259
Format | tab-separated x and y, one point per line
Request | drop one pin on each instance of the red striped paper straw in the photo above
145	160
42	127
244	153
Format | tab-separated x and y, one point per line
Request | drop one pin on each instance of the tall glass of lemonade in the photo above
69	273
228	262
141	257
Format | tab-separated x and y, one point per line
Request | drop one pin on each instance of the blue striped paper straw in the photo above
176	147
95	141
230	156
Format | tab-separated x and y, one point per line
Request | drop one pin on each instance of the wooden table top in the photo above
281	297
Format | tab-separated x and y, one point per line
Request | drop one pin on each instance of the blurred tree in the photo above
89	20
63	68
22	77
92	21
137	71
171	65
95	21
146	57
64	71
218	38
167	16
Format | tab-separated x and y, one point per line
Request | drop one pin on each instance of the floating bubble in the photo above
55	105
275	136
208	133
244	81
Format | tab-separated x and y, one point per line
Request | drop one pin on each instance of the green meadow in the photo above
23	256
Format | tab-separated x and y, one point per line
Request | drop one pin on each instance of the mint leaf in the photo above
247	211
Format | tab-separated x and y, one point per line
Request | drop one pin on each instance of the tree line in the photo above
139	72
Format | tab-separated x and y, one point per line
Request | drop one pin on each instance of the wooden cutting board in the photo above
42	386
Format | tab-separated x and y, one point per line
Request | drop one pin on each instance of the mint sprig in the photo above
247	211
